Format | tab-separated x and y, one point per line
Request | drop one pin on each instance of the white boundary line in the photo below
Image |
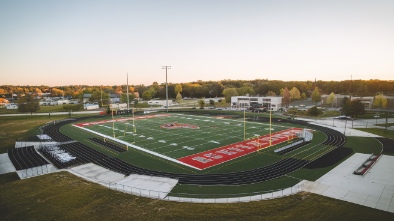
137	147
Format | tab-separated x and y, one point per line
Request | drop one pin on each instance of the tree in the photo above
303	96
178	89
380	101
330	99
201	103
286	96
245	90
118	90
28	104
295	94
96	97
123	97
72	107
152	91
147	95
357	108
271	93
316	96
345	109
178	97
230	92
314	111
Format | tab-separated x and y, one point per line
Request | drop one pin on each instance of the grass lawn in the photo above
18	128
43	109
62	196
367	145
379	131
383	125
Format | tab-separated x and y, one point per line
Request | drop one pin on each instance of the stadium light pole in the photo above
166	67
127	90
101	90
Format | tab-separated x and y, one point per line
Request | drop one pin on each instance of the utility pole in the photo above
166	67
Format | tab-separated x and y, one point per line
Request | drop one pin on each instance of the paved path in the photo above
6	165
52	113
349	128
375	189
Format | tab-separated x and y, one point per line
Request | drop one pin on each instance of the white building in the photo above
162	102
118	106
90	106
338	100
11	106
270	102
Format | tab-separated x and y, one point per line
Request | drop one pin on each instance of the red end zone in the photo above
223	154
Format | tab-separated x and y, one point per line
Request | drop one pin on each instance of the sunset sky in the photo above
94	42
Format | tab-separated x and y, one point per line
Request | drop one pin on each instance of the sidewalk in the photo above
348	127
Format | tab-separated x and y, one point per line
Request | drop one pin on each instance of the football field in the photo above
195	141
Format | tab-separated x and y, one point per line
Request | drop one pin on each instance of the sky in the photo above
95	42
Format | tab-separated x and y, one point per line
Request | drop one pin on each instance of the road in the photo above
52	113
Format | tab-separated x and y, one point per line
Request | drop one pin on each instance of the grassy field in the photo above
211	133
379	131
62	196
43	109
20	127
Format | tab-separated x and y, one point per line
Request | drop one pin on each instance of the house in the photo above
86	97
114	98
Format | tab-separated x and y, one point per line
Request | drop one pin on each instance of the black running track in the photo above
295	147
108	144
25	157
280	168
388	144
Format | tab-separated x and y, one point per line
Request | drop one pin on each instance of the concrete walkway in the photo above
348	127
6	165
375	189
148	186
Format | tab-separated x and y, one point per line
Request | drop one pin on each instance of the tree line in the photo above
207	89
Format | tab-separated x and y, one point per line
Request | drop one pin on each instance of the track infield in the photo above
199	142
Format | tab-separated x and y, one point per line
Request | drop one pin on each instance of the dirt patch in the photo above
178	125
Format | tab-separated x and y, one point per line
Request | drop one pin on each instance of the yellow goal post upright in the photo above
134	127
113	122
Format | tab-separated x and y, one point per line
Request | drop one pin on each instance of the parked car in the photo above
343	117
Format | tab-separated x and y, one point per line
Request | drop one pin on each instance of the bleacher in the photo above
367	165
294	146
60	158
